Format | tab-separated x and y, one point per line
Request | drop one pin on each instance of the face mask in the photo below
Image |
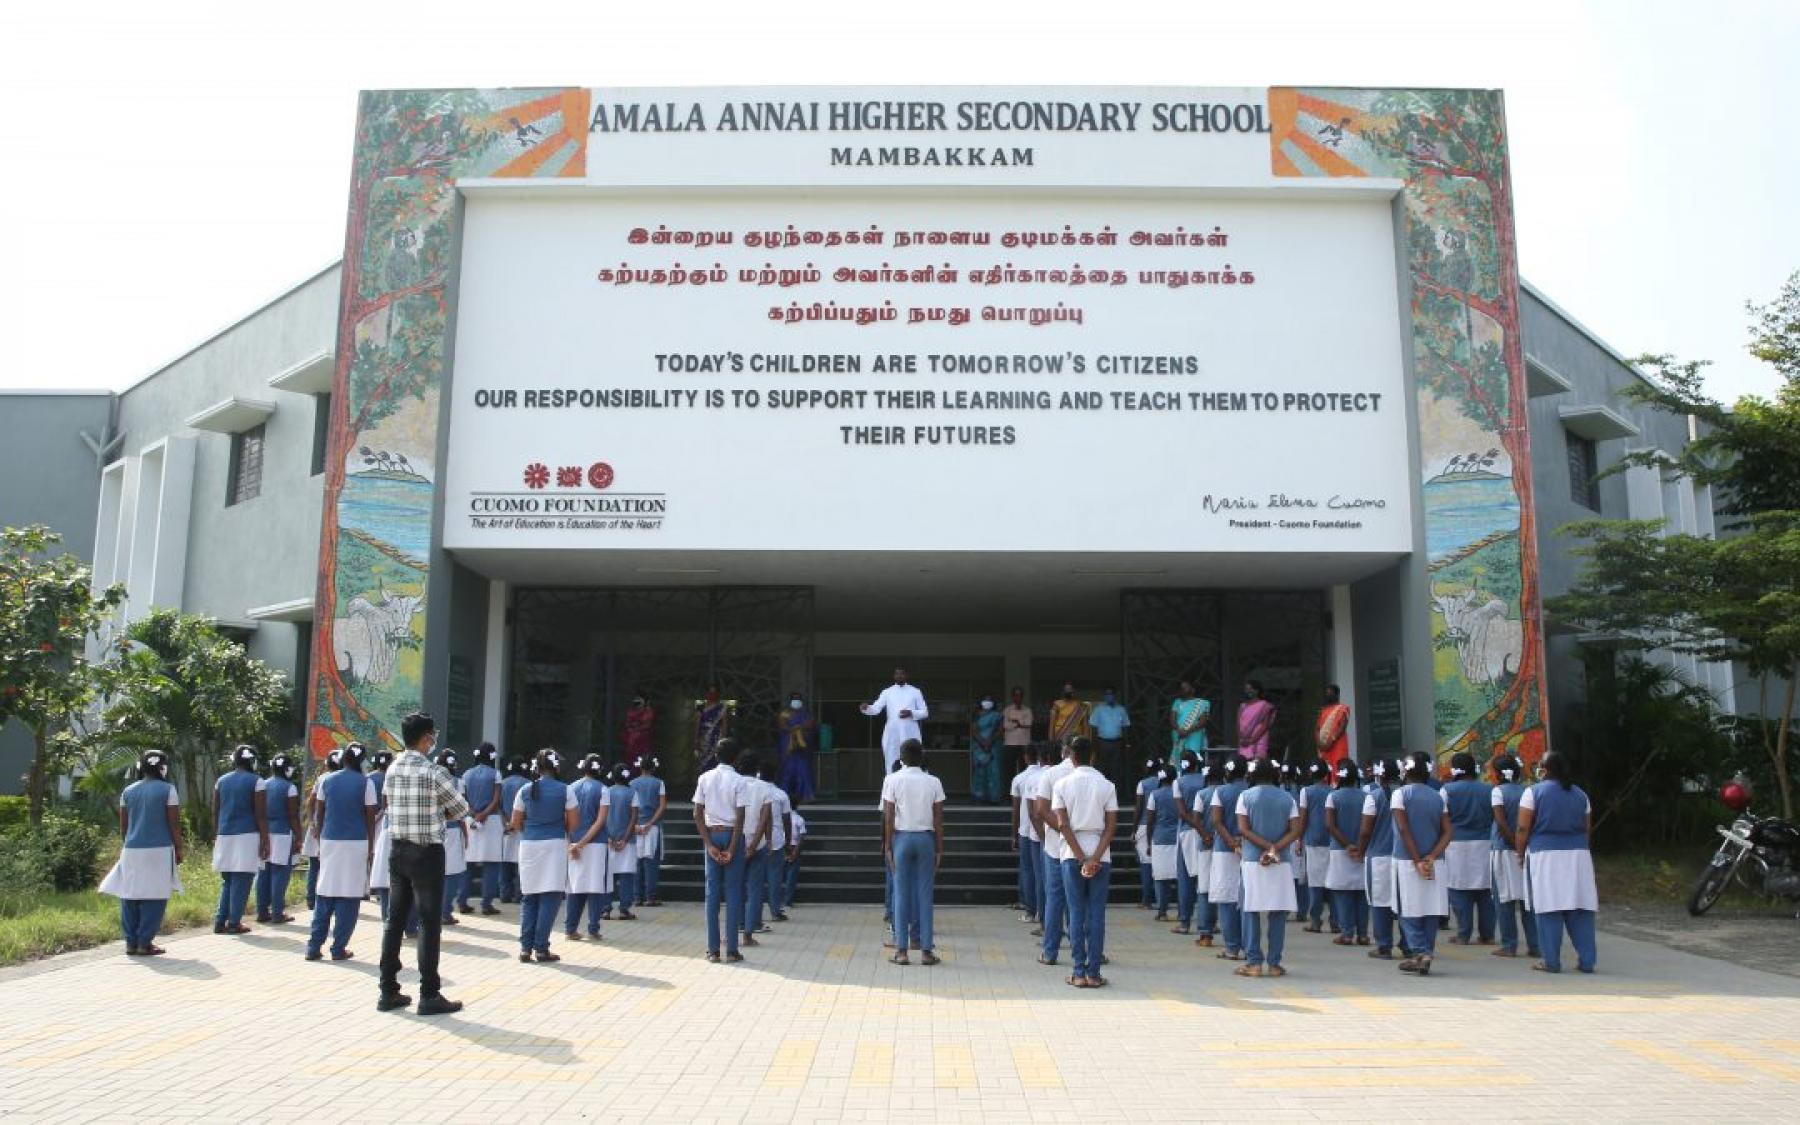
1109	697
637	702
794	703
1068	693
987	705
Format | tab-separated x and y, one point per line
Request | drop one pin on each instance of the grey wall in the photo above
1597	376
265	550
48	475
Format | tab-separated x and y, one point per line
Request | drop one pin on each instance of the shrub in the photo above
15	812
23	869
71	852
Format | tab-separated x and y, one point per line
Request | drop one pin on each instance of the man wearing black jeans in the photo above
421	796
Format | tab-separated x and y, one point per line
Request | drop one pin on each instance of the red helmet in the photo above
1735	795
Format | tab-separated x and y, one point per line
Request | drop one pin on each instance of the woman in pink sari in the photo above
1255	719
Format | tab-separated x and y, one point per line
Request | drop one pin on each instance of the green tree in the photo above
49	615
1735	598
181	686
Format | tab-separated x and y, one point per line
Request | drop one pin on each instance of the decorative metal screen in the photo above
1216	639
579	656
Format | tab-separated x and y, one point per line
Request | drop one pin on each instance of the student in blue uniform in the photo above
280	801
1315	841
145	876
344	809
1164	822
1468	866
518	776
1227	876
487	828
1189	781
1206	919
1508	868
242	841
1344	875
543	815
334	761
652	804
1556	822
1378	854
378	764
621	842
456	848
588	871
1421	836
1140	835
1268	823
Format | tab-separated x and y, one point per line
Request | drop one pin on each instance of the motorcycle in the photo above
1761	853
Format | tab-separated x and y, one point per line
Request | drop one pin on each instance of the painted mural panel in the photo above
375	548
1449	146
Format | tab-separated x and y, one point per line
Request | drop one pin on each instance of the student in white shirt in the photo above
719	818
904	706
781	824
757	806
791	879
1086	806
1025	842
912	836
1055	915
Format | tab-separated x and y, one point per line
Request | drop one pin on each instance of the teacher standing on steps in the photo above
904	706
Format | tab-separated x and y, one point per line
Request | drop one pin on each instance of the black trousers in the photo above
415	879
1111	752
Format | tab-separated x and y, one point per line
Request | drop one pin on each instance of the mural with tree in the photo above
1449	148
412	147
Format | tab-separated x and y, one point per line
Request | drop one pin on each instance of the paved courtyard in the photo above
816	1026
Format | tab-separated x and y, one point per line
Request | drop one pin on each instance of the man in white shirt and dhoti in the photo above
904	706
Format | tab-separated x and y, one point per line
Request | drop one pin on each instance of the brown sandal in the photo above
1249	970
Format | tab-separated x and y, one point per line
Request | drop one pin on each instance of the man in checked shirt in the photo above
421	796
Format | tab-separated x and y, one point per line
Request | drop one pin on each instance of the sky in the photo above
169	167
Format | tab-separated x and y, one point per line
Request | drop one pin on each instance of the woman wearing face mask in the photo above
984	753
796	727
712	721
1017	718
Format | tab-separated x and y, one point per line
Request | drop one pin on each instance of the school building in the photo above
622	391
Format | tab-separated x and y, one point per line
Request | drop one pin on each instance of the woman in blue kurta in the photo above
1378	854
1226	879
280	802
1268	823
588	882
1508	868
1468	866
241	841
145	875
344	809
1315	843
1344	876
1164	823
985	753
621	842
543	815
1556	821
652	803
1421	836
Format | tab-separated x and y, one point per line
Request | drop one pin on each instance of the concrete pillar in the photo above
498	665
1340	660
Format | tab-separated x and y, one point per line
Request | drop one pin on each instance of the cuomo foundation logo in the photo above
567	498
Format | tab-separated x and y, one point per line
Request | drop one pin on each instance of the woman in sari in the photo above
640	731
1187	719
794	737
984	753
1255	719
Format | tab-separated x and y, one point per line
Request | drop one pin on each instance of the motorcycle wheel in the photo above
1709	887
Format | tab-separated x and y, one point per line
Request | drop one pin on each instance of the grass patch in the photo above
1664	876
52	922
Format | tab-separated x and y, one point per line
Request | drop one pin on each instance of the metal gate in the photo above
1217	639
580	655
